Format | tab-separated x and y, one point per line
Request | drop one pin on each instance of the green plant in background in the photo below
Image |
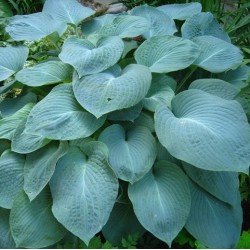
130	123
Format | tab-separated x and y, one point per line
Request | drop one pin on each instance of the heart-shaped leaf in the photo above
12	60
131	153
206	131
164	54
45	73
59	116
84	190
87	58
161	200
105	92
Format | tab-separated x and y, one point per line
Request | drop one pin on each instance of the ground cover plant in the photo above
121	124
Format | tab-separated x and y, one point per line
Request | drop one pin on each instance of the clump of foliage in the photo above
129	123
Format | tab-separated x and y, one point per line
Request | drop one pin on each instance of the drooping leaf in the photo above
222	185
216	55
212	222
9	124
84	190
87	58
160	23
122	223
131	153
49	72
33	27
202	24
11	177
67	11
12	60
105	92
164	54
40	166
59	116
206	131
181	11
6	239
32	223
125	26
161	200
216	87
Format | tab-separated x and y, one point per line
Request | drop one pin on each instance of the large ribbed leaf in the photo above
9	124
161	200
59	116
216	87
87	58
39	167
33	27
212	222
206	131
12	60
203	24
84	190
108	91
67	11
45	73
160	24
164	54
180	11
222	185
6	239
131	153
125	26
11	177
32	223
216	55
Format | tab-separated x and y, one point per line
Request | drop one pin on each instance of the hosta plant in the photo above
123	124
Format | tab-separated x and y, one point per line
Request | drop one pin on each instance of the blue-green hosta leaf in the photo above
84	190
11	177
216	87
129	46
202	24
216	55
131	153
206	131
87	58
163	79
40	166
160	24
12	60
9	106
105	92
67	11
212	222
164	155
33	27
6	239
122	223
181	11
60	117
162	201
9	124
222	185
164	54
45	73
146	120
32	223
125	26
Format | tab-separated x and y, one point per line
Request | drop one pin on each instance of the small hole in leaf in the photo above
109	99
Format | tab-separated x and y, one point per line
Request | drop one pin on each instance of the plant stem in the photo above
186	77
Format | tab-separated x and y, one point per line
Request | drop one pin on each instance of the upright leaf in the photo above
12	60
84	190
32	223
161	200
59	116
131	153
206	131
164	54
